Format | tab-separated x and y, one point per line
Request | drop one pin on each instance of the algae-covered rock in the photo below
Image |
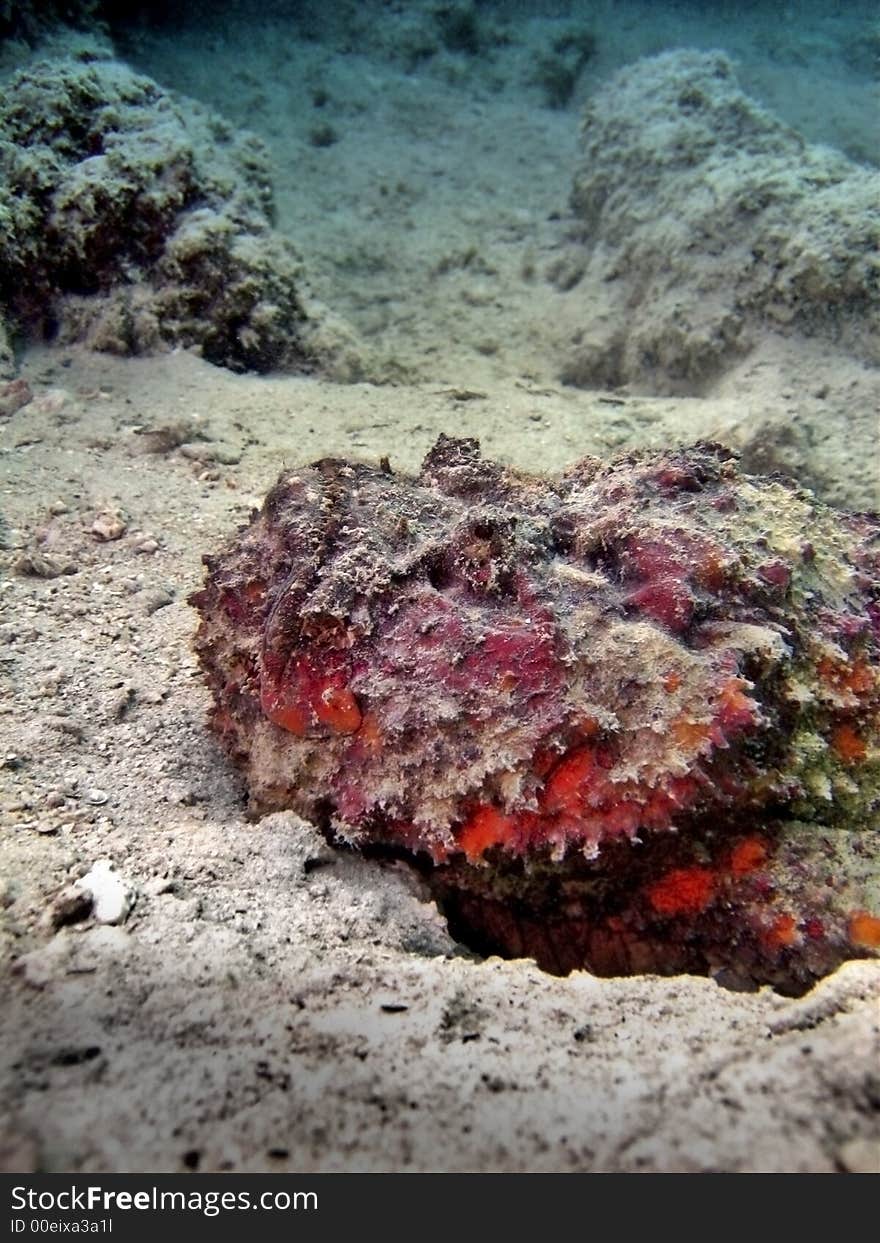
132	221
709	221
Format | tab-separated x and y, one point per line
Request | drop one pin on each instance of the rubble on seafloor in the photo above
626	718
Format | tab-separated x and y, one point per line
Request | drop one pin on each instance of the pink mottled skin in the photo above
568	697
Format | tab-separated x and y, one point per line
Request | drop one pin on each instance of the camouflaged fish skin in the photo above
624	719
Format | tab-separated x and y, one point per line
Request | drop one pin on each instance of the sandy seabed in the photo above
267	1003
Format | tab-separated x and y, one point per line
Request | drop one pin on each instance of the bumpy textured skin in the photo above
625	719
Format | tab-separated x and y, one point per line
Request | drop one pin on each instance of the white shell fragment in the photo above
112	896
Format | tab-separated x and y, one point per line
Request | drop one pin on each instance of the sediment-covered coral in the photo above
133	220
707	220
626	718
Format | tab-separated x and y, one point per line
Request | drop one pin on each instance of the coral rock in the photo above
750	230
134	221
624	719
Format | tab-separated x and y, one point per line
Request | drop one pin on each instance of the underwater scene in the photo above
440	586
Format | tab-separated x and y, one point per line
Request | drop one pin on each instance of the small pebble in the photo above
70	906
36	564
226	455
14	395
51	401
58	507
109	524
217	451
96	796
110	895
147	547
66	725
164	438
156	599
